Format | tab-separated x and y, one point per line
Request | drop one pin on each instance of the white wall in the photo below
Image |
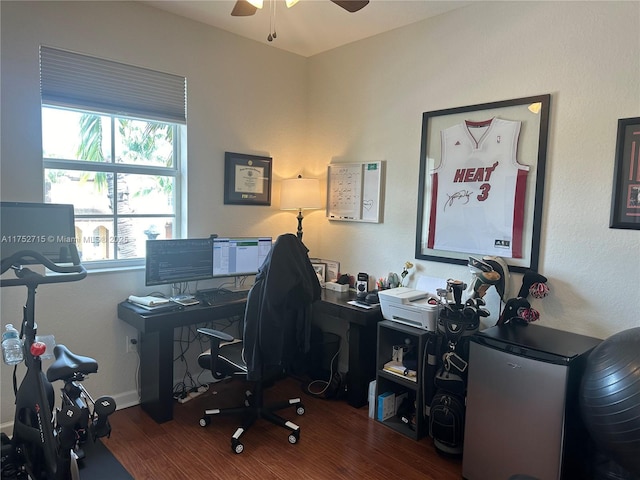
360	102
367	100
242	97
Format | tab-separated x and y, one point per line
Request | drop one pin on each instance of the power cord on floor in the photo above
327	388
192	393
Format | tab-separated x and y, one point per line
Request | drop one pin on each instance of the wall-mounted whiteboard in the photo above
355	191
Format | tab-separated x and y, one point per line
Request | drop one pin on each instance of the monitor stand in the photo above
242	284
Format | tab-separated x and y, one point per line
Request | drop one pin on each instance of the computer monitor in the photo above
239	256
178	260
46	228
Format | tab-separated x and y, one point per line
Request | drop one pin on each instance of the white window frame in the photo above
87	84
127	168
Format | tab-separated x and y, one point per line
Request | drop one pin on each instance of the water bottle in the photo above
11	346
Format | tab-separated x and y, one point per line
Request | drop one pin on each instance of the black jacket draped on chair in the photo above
278	314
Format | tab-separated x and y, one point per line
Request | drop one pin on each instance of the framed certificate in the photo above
247	179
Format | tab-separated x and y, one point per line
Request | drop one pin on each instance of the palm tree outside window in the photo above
119	173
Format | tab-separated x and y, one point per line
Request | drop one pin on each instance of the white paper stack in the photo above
149	300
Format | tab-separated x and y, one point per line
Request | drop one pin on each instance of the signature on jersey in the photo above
461	197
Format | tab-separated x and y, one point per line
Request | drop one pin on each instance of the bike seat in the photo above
68	363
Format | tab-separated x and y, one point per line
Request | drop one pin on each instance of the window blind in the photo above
73	80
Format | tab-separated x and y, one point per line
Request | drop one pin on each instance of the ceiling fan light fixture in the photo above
291	3
256	3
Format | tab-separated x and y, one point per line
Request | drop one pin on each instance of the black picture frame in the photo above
533	114
625	198
247	179
321	271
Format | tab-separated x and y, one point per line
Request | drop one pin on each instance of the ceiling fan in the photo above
245	8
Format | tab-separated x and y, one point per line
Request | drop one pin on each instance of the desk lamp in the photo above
298	194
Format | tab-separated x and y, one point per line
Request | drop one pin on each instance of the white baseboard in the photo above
127	399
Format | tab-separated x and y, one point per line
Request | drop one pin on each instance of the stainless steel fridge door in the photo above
515	416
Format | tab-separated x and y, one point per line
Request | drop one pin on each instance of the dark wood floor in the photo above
337	442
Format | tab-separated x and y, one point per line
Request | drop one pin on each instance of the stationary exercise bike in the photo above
93	422
46	445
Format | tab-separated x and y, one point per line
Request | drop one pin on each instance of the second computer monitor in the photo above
239	256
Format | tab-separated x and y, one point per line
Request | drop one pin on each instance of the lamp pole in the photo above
299	217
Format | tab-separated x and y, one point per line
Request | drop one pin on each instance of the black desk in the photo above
362	340
156	348
156	345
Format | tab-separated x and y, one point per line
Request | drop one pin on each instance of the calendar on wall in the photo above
355	191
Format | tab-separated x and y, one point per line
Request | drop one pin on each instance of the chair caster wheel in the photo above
300	409
294	437
205	421
236	446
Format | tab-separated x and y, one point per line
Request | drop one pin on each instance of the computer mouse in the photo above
372	298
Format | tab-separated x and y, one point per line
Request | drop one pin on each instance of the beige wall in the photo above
360	102
367	100
242	97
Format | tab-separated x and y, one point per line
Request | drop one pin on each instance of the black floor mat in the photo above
100	464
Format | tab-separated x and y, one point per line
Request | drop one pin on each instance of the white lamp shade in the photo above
256	3
300	194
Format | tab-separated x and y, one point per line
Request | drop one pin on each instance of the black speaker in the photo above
362	285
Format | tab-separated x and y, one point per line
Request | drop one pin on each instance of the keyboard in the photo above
217	296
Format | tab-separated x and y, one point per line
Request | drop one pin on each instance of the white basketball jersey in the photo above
478	194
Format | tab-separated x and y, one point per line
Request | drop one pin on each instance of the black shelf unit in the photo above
393	333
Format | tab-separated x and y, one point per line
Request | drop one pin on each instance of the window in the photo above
121	171
120	175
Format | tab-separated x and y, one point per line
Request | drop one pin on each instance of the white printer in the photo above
411	307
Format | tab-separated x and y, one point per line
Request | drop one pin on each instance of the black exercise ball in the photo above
610	398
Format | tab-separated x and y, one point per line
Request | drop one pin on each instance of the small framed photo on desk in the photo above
321	271
332	269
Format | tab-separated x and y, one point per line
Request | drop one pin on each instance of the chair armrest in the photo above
216	337
221	336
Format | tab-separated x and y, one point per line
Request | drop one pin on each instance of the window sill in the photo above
102	267
113	268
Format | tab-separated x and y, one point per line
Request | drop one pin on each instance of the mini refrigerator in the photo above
522	414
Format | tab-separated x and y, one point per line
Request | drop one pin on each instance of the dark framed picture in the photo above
481	182
247	179
625	201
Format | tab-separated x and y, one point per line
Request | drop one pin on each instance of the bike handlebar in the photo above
71	273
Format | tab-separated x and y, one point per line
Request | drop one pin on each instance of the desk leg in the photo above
362	363
156	374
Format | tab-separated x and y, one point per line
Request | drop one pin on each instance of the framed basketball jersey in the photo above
481	182
478	190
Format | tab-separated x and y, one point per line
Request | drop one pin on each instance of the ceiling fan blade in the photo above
242	8
351	5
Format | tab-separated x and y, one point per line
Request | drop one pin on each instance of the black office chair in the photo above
276	328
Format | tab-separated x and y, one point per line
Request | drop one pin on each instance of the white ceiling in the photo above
311	26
